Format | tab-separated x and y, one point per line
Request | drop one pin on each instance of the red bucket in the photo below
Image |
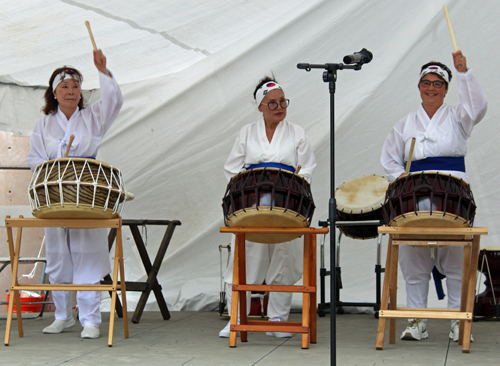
32	308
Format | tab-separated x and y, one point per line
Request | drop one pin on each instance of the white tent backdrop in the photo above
188	68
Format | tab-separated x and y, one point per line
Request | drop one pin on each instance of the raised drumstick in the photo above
408	163
450	28
90	34
71	138
298	169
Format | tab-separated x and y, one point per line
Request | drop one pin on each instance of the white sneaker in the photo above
415	331
224	333
58	326
455	331
278	334
90	332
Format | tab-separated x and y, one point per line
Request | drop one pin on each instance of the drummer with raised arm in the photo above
441	132
272	141
78	256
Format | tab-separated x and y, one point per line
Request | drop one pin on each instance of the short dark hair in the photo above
263	81
441	65
51	102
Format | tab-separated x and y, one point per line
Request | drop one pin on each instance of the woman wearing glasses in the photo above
271	141
77	256
441	133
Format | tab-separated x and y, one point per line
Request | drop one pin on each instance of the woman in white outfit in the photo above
77	256
271	141
441	133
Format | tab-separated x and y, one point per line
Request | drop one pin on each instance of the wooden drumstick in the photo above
71	138
90	34
450	28
298	169
408	163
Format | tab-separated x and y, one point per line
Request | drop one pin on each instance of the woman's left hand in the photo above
100	61
460	61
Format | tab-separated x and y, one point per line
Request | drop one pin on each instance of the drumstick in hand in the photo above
408	163
90	34
450	28
71	138
298	169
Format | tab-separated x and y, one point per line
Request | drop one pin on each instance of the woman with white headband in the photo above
77	256
441	134
275	142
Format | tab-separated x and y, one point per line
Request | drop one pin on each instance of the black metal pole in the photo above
330	76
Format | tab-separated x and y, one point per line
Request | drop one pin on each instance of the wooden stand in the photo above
431	238
151	270
308	326
69	224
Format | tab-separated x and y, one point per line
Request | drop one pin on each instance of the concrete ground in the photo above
191	339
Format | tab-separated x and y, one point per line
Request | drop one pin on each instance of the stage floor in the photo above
191	338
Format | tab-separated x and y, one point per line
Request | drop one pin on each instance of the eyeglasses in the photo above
426	83
274	105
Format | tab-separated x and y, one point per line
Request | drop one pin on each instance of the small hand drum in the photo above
429	199
268	197
76	188
361	199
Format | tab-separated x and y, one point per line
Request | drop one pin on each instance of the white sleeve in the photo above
37	153
305	158
236	160
110	104
473	102
393	153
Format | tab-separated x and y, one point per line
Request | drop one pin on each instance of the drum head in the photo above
362	194
265	217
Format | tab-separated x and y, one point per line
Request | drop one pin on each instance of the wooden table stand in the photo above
429	237
15	287
308	326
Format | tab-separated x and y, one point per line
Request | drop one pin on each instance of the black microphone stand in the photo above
330	76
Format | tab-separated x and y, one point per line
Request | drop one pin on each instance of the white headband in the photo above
435	69
63	75
264	89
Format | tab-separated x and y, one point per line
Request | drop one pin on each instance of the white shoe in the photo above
278	334
58	326
455	331
90	332
224	333
415	331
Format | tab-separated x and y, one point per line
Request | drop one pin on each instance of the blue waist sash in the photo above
456	163
272	165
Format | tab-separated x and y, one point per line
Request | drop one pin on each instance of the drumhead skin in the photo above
76	188
268	197
361	194
361	199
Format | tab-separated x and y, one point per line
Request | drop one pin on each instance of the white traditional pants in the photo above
78	256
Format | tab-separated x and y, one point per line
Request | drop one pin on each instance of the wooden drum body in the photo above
429	199
76	188
361	199
268	197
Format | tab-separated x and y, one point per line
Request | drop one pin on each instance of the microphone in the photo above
303	66
362	57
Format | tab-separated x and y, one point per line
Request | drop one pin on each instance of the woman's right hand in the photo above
100	61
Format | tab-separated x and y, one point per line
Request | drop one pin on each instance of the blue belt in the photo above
82	157
272	165
456	163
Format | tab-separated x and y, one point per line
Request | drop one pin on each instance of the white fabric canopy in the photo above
187	70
